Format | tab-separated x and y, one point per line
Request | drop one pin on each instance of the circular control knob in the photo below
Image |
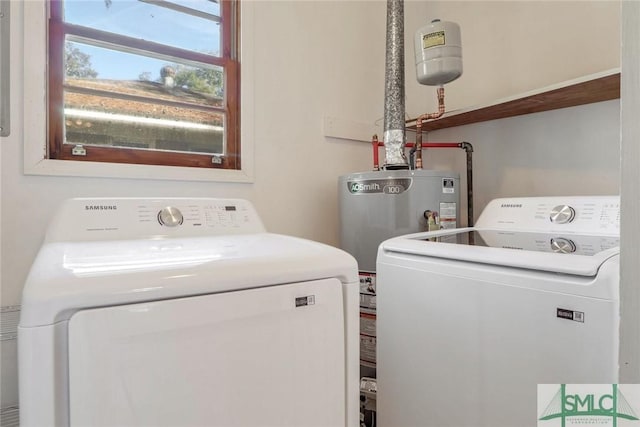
561	245
562	214
170	217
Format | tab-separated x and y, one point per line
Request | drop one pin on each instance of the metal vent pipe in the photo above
394	108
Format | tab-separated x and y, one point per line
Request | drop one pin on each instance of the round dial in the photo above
562	214
170	216
561	245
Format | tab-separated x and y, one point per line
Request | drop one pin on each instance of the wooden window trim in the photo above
229	61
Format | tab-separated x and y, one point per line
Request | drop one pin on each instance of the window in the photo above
152	82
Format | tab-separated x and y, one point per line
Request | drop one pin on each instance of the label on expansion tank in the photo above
436	38
386	186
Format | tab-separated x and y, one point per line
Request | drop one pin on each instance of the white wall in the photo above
512	47
630	193
326	58
572	151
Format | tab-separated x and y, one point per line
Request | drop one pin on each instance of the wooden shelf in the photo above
594	88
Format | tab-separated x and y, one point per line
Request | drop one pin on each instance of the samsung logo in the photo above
100	207
510	205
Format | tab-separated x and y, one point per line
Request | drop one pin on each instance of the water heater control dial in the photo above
561	245
170	217
562	214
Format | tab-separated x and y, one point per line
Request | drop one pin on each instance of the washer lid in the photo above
580	255
69	276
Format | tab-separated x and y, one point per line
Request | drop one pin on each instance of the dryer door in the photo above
268	356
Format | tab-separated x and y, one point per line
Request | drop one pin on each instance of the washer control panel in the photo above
577	214
129	218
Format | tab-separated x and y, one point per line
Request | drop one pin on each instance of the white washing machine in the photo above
185	312
471	320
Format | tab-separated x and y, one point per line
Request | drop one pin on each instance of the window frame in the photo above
229	60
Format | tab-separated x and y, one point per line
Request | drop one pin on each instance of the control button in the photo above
562	214
561	245
170	217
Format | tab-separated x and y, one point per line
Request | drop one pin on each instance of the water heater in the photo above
438	50
375	206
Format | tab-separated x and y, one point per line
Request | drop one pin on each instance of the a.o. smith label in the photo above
576	316
386	186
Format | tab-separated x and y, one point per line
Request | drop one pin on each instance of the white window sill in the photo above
131	171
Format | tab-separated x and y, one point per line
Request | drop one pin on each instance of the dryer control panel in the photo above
577	214
140	218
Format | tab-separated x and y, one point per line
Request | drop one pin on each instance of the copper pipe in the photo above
376	145
419	121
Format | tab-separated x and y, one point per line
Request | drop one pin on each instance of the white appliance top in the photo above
103	252
572	235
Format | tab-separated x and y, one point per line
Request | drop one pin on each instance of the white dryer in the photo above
185	312
471	320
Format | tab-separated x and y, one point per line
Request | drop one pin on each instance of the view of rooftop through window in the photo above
143	74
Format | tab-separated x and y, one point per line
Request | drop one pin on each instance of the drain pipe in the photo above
394	97
468	148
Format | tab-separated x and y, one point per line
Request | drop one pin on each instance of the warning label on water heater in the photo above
448	215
